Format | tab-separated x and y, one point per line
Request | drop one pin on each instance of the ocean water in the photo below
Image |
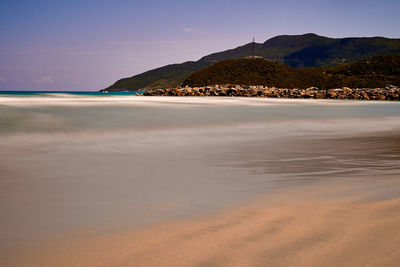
55	93
84	164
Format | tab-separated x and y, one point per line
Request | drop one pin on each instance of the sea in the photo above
80	164
93	93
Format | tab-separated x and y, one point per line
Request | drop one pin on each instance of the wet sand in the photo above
311	226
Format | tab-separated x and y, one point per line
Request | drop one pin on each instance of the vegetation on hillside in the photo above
388	65
378	71
338	51
254	71
168	76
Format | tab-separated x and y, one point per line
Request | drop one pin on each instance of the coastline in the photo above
224	181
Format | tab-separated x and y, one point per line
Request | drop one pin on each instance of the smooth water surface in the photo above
87	164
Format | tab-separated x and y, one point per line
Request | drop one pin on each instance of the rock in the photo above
388	93
365	95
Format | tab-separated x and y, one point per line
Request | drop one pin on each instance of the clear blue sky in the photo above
87	45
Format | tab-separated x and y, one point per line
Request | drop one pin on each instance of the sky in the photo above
88	45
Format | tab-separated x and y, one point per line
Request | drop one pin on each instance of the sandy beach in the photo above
307	227
233	182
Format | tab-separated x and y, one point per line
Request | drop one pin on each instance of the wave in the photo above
66	99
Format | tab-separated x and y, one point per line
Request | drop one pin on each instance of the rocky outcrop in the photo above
388	93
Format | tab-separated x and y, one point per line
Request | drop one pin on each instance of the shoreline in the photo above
247	179
389	93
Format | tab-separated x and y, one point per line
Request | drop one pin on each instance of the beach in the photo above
304	233
198	181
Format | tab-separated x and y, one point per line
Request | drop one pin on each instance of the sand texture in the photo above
301	231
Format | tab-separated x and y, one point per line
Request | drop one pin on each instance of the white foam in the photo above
74	100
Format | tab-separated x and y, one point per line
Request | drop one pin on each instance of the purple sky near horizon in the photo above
88	45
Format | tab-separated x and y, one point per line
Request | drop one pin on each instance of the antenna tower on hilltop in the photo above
253	48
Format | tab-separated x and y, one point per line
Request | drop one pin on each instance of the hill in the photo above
307	50
276	48
378	71
167	76
255	71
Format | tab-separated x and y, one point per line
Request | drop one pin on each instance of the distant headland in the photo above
375	78
325	62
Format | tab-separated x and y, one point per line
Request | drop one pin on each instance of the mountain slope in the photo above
275	48
255	71
167	76
339	51
378	71
388	65
307	50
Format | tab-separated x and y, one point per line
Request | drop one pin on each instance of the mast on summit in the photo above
253	47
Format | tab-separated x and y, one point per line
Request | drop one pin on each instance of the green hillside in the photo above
307	50
168	76
276	48
378	71
255	71
338	51
388	65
